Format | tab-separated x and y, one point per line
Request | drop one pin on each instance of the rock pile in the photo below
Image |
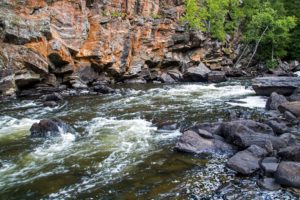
270	147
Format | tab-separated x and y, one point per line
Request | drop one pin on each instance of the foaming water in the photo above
117	151
250	102
13	128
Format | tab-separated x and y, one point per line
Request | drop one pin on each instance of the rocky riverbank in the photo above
269	147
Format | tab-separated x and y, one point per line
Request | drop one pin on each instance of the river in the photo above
118	152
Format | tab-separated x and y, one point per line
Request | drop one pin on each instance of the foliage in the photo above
271	30
293	8
214	16
271	64
264	23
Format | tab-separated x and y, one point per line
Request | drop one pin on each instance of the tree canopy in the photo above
265	24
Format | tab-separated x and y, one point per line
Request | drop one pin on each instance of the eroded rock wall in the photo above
47	43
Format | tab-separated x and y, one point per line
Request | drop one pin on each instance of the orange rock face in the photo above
121	39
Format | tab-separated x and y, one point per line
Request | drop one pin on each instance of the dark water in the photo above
118	153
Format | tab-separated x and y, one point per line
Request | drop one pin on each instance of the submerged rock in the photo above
49	128
169	126
288	174
281	85
50	104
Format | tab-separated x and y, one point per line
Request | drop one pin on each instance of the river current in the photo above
118	152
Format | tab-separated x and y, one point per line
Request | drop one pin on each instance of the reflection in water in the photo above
117	152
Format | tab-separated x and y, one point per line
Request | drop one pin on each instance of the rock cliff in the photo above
77	43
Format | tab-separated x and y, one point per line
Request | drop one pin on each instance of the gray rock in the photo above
288	174
246	162
245	133
291	153
216	77
205	134
274	101
293	107
269	165
268	184
281	85
49	128
197	74
192	142
278	127
166	78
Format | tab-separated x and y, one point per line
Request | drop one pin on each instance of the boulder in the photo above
291	153
205	134
49	128
166	78
216	77
278	127
281	85
246	162
192	142
269	165
274	101
293	107
268	184
245	133
288	174
196	74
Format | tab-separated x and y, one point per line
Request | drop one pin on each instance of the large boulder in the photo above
244	133
247	162
281	85
197	74
274	101
50	128
192	142
288	174
293	107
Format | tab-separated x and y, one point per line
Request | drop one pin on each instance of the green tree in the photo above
270	31
216	17
293	8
